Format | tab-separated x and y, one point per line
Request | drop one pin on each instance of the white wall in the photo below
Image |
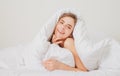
20	20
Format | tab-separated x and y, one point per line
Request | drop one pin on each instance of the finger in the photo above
59	42
56	40
48	60
50	67
59	39
46	63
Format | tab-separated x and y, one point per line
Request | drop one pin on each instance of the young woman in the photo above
62	36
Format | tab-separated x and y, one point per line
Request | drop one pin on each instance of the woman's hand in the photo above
58	41
52	64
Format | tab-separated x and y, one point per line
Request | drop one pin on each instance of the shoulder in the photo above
68	42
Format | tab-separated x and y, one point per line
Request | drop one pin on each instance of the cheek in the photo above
57	26
68	33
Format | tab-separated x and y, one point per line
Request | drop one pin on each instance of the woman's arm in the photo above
69	44
53	64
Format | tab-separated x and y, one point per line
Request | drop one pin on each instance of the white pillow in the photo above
61	54
111	58
100	55
91	52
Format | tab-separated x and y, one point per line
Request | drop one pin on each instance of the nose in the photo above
63	27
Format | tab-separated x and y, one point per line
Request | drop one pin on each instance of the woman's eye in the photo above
61	22
68	27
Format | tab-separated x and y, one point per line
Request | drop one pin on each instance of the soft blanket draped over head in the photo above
40	44
35	51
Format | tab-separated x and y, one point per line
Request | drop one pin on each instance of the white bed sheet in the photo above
10	56
6	72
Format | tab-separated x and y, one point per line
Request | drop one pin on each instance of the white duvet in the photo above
61	54
101	58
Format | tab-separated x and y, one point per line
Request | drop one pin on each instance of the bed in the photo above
102	62
10	56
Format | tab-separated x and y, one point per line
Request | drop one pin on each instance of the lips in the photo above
60	32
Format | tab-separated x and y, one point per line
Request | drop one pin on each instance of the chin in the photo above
60	36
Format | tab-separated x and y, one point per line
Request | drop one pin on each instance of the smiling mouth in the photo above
60	32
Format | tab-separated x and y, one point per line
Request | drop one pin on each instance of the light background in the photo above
20	20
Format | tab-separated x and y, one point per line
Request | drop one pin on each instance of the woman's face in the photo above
64	27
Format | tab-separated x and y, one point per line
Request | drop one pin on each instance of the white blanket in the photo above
61	54
98	56
39	47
